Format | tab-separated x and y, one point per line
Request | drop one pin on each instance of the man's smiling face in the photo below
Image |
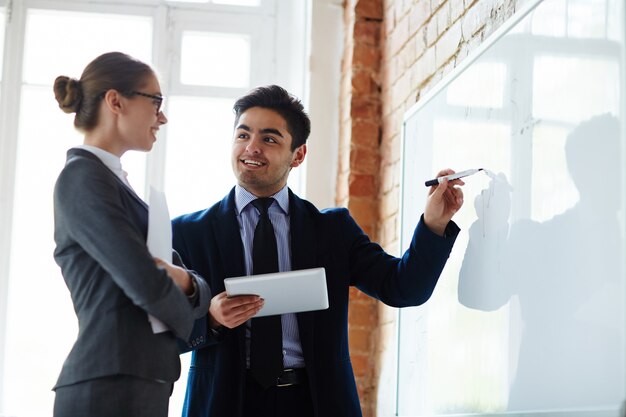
262	155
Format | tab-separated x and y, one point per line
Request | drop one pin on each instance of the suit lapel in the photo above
230	247
303	256
303	235
228	237
132	193
86	154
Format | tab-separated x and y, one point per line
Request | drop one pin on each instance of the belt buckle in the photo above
278	379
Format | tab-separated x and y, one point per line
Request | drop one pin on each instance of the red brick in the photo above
362	82
366	133
366	56
364	107
360	364
369	9
359	340
354	294
367	32
363	210
362	185
365	160
370	231
363	314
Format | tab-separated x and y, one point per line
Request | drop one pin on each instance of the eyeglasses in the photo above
156	100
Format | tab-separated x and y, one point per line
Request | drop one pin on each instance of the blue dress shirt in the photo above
248	216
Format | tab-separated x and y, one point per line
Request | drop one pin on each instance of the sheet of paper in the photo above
159	239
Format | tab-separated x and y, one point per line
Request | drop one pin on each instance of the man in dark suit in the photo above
229	376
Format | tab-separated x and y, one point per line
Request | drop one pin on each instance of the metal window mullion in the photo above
161	58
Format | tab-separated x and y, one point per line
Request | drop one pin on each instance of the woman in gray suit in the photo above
119	365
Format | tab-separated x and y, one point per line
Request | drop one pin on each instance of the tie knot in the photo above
262	204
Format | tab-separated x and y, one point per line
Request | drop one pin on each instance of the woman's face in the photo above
142	117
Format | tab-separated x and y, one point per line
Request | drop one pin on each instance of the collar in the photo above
112	162
243	197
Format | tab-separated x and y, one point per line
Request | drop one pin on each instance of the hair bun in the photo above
68	93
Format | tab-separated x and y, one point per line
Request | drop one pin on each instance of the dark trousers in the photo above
114	396
294	400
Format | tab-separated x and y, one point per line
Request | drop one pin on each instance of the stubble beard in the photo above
253	182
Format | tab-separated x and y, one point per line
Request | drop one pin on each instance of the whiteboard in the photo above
528	317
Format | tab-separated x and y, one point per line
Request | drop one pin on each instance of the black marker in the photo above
451	177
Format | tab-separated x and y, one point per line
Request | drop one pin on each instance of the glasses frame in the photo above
157	100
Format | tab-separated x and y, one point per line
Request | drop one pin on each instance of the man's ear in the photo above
112	99
298	156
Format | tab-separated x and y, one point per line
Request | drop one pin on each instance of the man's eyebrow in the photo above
272	131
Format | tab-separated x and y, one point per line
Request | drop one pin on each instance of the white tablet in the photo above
284	292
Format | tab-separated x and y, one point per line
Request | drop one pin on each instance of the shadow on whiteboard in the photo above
564	272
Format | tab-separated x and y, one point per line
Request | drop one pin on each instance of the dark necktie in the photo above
266	357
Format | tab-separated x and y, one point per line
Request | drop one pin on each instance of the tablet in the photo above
284	292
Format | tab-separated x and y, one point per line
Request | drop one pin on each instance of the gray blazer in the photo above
100	233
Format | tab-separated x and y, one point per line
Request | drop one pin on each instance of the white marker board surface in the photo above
528	318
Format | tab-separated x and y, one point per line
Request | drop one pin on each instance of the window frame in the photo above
260	46
289	68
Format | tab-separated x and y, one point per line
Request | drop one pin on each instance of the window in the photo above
201	94
205	131
201	50
201	72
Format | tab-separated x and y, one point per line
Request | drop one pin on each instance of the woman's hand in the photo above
180	276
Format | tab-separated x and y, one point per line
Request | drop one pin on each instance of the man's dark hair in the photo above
290	108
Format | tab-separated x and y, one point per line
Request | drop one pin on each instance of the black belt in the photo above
290	377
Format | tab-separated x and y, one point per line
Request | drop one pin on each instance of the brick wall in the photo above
358	171
394	51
